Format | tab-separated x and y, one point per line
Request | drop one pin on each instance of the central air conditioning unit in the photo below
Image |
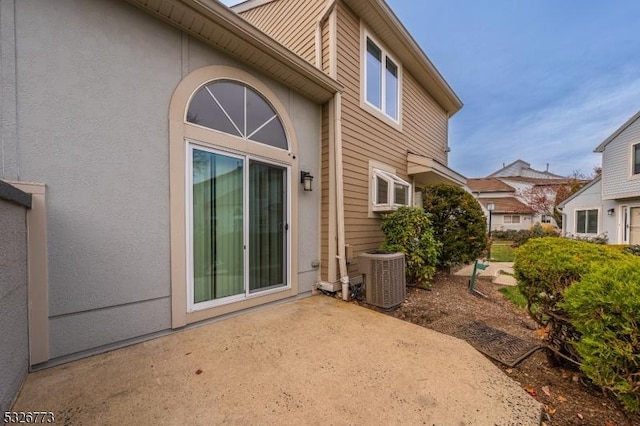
384	278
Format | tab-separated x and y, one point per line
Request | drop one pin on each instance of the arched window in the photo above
233	160
234	108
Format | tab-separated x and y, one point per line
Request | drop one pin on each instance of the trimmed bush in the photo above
634	249
408	230
521	236
544	268
458	224
605	309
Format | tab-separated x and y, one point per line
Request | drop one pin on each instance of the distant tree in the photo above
458	224
544	199
597	171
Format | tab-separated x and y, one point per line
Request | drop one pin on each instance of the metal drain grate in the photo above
494	343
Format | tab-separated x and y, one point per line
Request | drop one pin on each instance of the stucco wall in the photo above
14	346
95	80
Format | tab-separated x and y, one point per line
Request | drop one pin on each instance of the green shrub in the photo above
544	268
507	234
634	249
521	236
458	224
605	309
596	239
408	230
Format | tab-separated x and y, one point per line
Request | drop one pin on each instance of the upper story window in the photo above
635	165
587	221
389	191
382	80
235	108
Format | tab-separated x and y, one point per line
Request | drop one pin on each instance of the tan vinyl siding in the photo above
365	137
291	22
326	45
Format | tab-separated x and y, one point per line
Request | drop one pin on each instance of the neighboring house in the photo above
523	169
508	211
610	204
165	144
385	135
532	195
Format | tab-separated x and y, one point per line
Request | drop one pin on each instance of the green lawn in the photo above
501	251
513	294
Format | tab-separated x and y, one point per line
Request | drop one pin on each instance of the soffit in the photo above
425	171
221	28
387	27
600	148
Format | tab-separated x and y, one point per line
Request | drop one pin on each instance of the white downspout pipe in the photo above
337	140
342	261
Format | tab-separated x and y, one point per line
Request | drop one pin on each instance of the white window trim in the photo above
246	294
181	132
631	160
575	221
364	103
389	174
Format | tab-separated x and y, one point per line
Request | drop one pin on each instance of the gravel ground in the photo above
568	398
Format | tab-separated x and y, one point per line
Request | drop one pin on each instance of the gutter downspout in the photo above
339	171
342	261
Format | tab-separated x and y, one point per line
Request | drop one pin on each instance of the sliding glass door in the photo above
267	226
238	227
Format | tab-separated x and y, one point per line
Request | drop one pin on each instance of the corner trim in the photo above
37	272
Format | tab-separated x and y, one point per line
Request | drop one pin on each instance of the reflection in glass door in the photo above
267	223
218	254
227	198
634	225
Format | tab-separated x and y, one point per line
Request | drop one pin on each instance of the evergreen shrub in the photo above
408	230
544	269
604	307
458	224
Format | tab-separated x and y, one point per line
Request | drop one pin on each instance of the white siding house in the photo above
613	199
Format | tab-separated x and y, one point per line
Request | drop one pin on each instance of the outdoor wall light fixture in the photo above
306	180
610	212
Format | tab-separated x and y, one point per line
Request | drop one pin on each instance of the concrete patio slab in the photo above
312	361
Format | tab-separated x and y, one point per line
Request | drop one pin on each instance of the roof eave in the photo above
221	28
595	180
600	148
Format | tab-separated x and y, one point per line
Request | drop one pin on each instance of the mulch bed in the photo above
567	396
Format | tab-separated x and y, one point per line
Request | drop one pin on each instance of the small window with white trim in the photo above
389	191
635	160
511	219
587	221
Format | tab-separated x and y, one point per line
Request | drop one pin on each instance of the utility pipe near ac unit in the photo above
342	260
330	9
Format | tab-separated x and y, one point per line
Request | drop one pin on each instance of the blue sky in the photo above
544	81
